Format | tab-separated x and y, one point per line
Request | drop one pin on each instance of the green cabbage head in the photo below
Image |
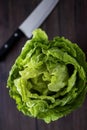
48	79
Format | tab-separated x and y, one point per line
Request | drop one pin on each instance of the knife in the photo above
33	21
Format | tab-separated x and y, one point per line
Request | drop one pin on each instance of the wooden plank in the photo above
16	12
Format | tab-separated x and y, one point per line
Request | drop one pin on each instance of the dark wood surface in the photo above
69	19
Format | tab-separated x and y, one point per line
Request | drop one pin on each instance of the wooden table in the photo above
69	19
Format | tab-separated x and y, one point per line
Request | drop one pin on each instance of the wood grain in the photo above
69	19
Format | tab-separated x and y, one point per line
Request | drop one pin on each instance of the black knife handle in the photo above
16	36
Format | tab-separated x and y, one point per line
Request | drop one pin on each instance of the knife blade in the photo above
33	21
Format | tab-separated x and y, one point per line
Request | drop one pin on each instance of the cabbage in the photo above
48	79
